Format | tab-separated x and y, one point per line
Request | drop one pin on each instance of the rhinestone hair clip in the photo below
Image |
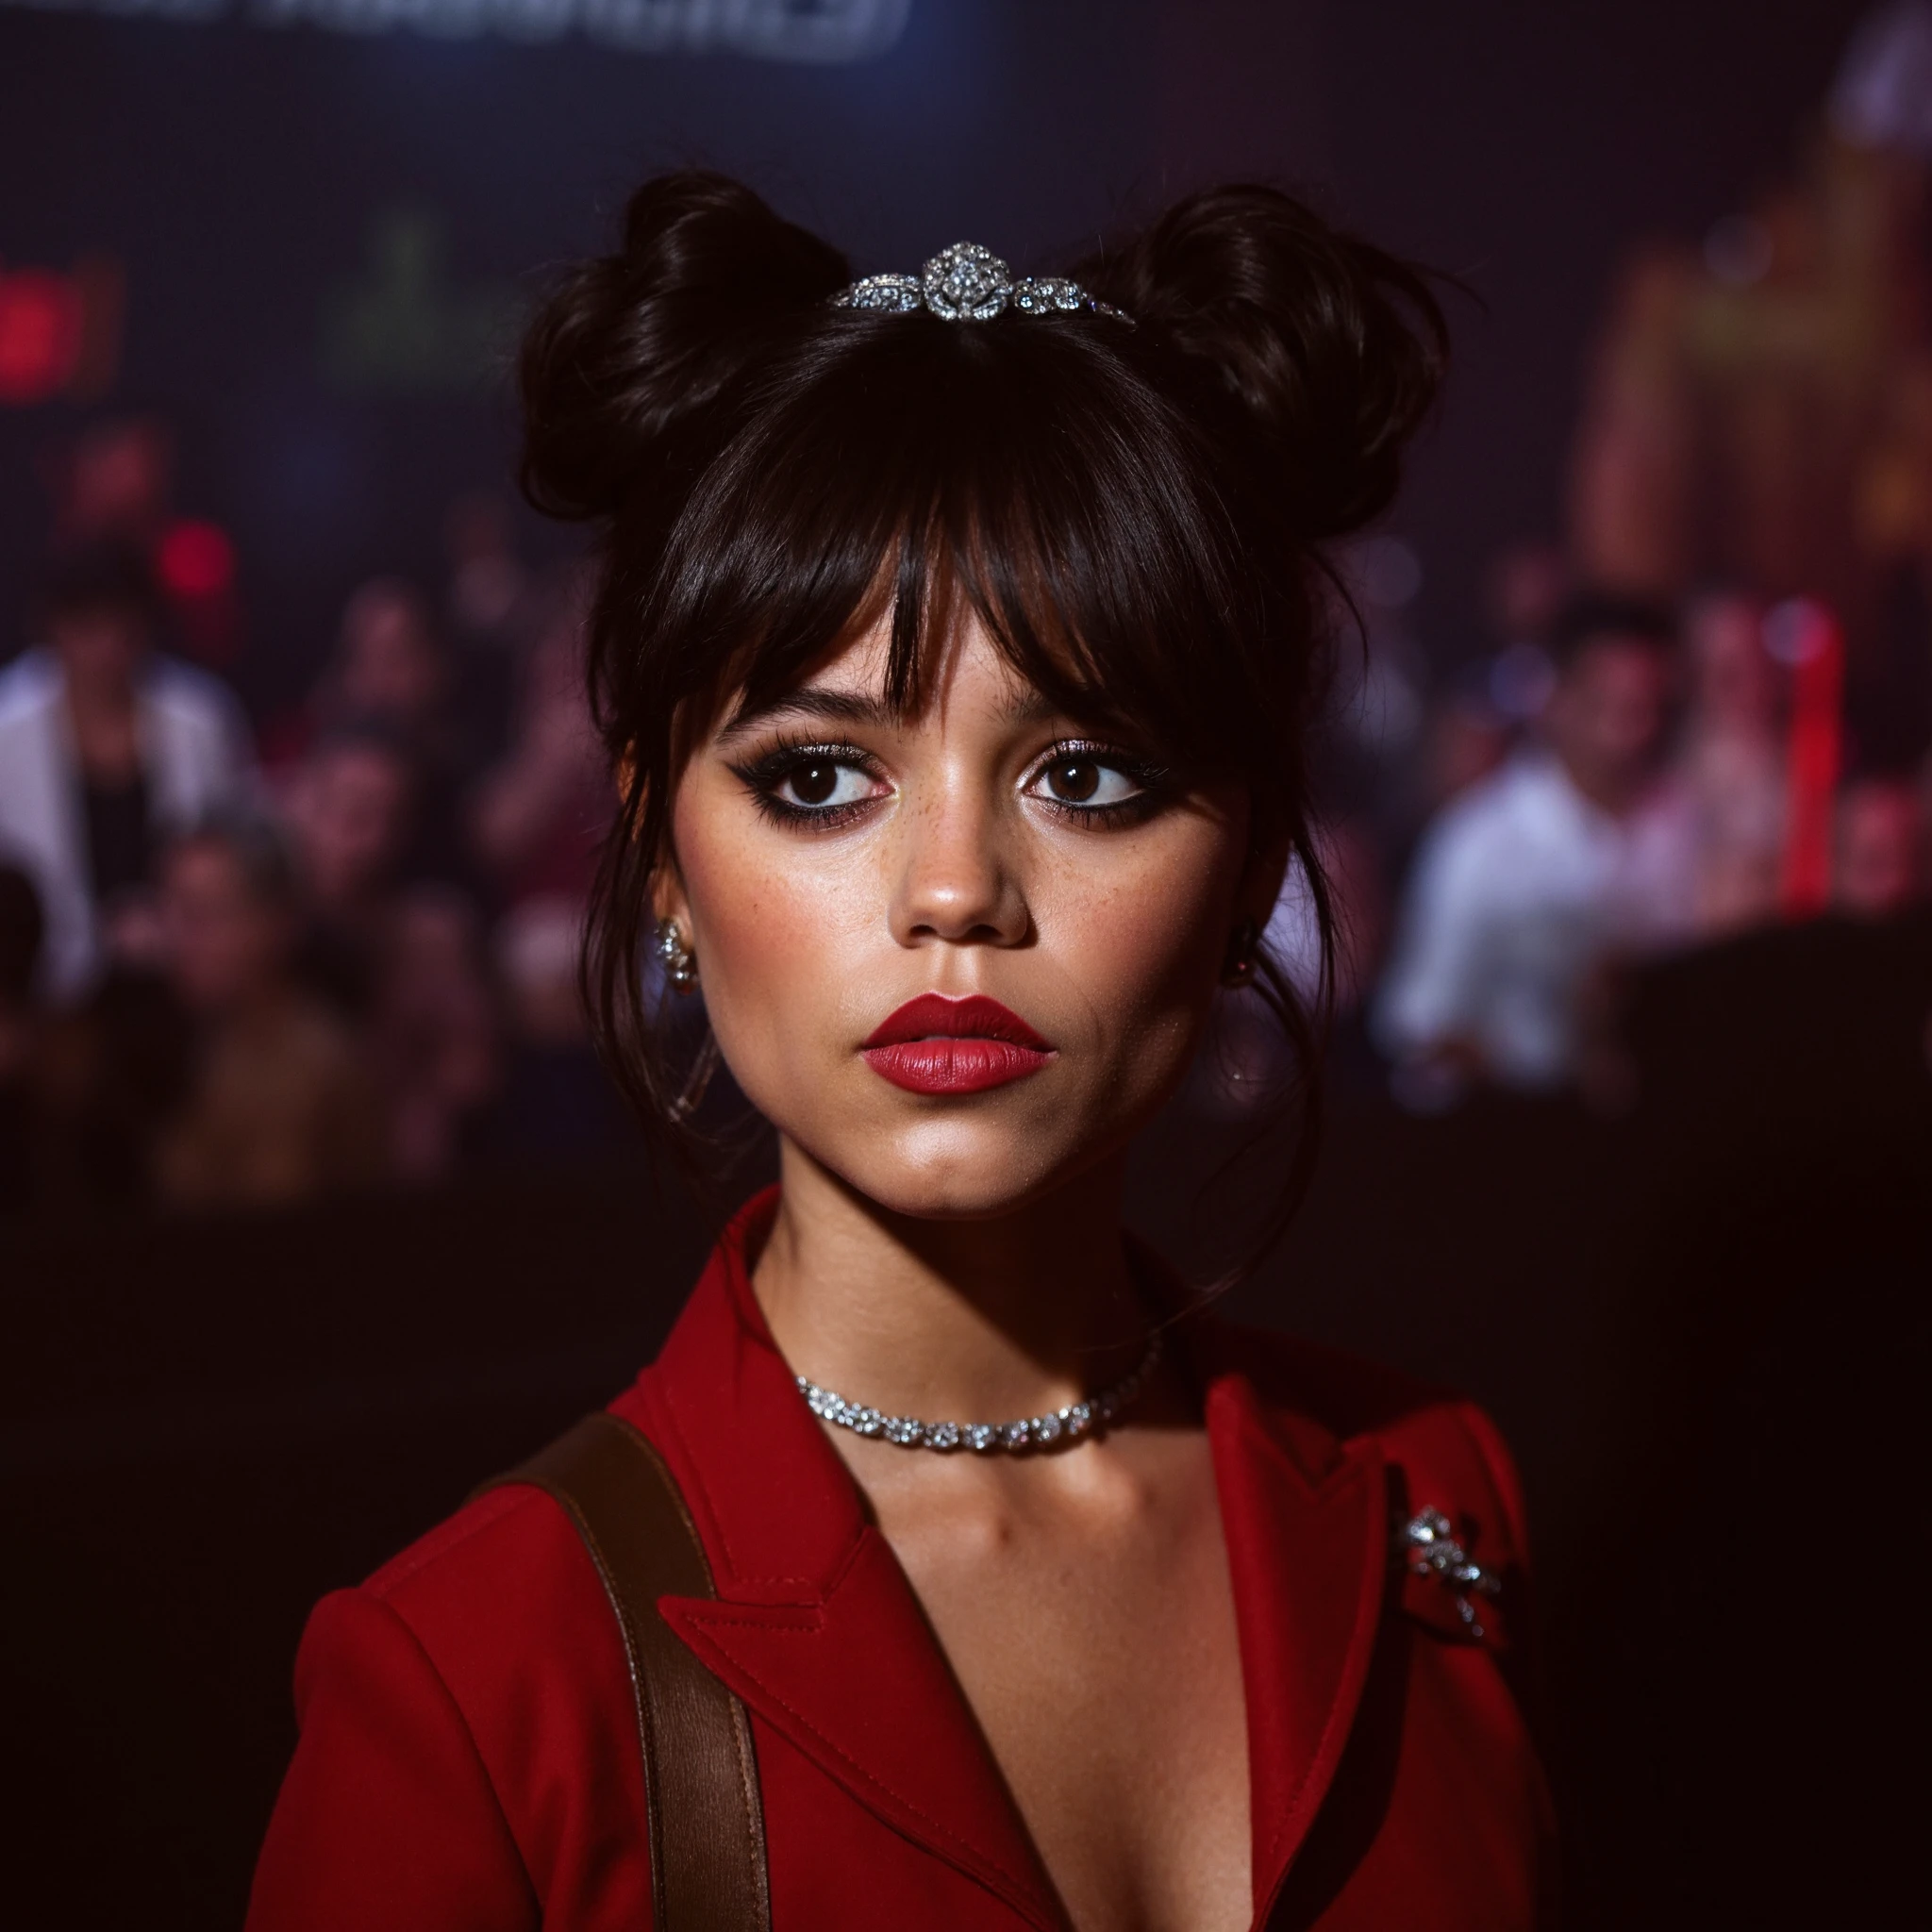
968	283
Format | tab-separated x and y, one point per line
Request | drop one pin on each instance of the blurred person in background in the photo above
1523	882
491	607
349	806
1526	589
22	931
488	580
1466	737
1727	777
393	672
1478	711
558	1102
1878	863
390	665
1375	709
280	1106
109	1073
537	816
437	1032
105	747
116	487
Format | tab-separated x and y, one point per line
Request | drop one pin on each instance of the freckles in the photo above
1147	945
1145	924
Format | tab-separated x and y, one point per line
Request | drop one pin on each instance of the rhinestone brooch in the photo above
1431	1549
968	283
1062	1426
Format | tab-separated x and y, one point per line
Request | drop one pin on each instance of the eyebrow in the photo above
809	701
820	705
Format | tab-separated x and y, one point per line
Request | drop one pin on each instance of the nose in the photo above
955	883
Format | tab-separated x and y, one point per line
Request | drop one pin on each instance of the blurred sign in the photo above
406	326
60	332
807	30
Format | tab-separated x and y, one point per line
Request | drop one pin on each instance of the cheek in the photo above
777	925
1136	932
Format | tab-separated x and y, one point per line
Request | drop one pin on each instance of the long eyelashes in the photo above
1083	768
1083	782
799	765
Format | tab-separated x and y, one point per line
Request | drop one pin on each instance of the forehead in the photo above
962	663
964	675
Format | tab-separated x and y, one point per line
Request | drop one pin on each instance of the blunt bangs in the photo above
1024	467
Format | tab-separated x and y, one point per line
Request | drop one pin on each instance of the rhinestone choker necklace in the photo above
1032	1432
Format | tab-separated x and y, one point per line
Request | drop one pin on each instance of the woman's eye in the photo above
1082	780
821	784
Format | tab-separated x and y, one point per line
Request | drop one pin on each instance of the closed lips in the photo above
938	1045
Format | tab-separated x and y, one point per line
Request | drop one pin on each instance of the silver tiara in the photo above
968	283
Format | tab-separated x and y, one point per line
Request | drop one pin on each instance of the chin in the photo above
962	1165
926	1196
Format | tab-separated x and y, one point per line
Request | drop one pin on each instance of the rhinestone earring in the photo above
679	963
1238	966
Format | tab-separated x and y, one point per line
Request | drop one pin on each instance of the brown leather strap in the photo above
701	1781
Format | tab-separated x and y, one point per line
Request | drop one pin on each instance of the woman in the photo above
955	642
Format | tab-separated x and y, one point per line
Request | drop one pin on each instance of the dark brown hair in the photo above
1134	509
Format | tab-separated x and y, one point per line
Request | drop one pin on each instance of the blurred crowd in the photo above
254	961
1704	710
251	965
1619	780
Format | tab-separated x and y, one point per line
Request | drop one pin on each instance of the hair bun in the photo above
1332	348
631	345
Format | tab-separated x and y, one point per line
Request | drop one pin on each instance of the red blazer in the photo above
469	1757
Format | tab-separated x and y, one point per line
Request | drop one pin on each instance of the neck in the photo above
950	1319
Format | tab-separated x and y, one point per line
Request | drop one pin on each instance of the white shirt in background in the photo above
194	750
1519	886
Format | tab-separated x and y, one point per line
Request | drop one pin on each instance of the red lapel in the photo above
815	1626
816	1629
1307	1545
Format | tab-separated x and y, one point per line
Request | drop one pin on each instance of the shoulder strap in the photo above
701	1781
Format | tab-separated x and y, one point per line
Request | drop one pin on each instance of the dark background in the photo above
238	172
1701	1324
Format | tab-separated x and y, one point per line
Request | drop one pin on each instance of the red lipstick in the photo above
938	1045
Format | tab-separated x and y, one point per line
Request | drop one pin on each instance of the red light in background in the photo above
1807	637
42	329
61	333
195	561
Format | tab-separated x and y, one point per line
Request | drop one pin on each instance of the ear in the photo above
668	897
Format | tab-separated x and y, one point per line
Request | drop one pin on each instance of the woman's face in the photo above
834	863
